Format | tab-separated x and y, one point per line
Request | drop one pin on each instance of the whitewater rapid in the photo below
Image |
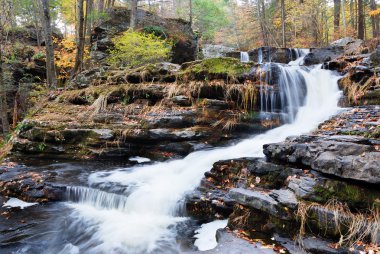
143	218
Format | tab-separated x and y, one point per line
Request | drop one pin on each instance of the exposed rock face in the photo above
351	46
166	107
351	158
184	49
214	51
269	54
375	56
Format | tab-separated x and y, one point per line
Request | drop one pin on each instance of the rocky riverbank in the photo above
320	185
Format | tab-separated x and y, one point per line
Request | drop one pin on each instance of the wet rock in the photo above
321	55
30	187
272	54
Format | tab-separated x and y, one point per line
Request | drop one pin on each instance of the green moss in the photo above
355	196
215	68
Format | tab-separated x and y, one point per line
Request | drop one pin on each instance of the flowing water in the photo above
244	57
140	209
143	218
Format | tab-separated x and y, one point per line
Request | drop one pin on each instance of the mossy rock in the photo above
355	196
225	68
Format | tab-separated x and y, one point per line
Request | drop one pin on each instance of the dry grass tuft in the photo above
352	227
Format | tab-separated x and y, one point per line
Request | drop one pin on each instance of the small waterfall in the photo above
260	56
298	55
96	198
244	57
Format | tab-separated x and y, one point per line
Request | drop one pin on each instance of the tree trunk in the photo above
50	65
283	17
344	21
89	19
360	20
3	93
191	12
336	16
80	39
133	21
352	14
374	20
100	6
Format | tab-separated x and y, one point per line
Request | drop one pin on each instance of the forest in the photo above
189	126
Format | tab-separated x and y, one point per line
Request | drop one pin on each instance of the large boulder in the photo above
213	51
347	157
375	57
272	54
185	46
321	55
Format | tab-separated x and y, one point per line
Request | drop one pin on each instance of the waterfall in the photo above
144	220
285	97
260	56
298	55
244	57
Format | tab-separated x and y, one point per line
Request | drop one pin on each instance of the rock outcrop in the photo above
171	109
185	41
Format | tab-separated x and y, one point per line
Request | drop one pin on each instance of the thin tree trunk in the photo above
352	14
89	19
50	65
360	20
336	16
3	94
100	6
344	21
133	21
374	20
283	17
80	39
191	12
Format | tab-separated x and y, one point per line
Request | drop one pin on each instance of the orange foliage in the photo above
65	56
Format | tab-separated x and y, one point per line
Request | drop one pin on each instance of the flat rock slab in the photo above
342	156
265	201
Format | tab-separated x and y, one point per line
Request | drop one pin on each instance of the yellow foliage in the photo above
375	12
133	49
65	56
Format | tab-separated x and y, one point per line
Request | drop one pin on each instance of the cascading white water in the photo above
260	56
144	222
299	56
244	57
287	96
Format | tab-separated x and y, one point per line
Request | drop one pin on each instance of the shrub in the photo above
156	30
133	49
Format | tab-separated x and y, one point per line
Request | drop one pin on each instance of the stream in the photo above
139	209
